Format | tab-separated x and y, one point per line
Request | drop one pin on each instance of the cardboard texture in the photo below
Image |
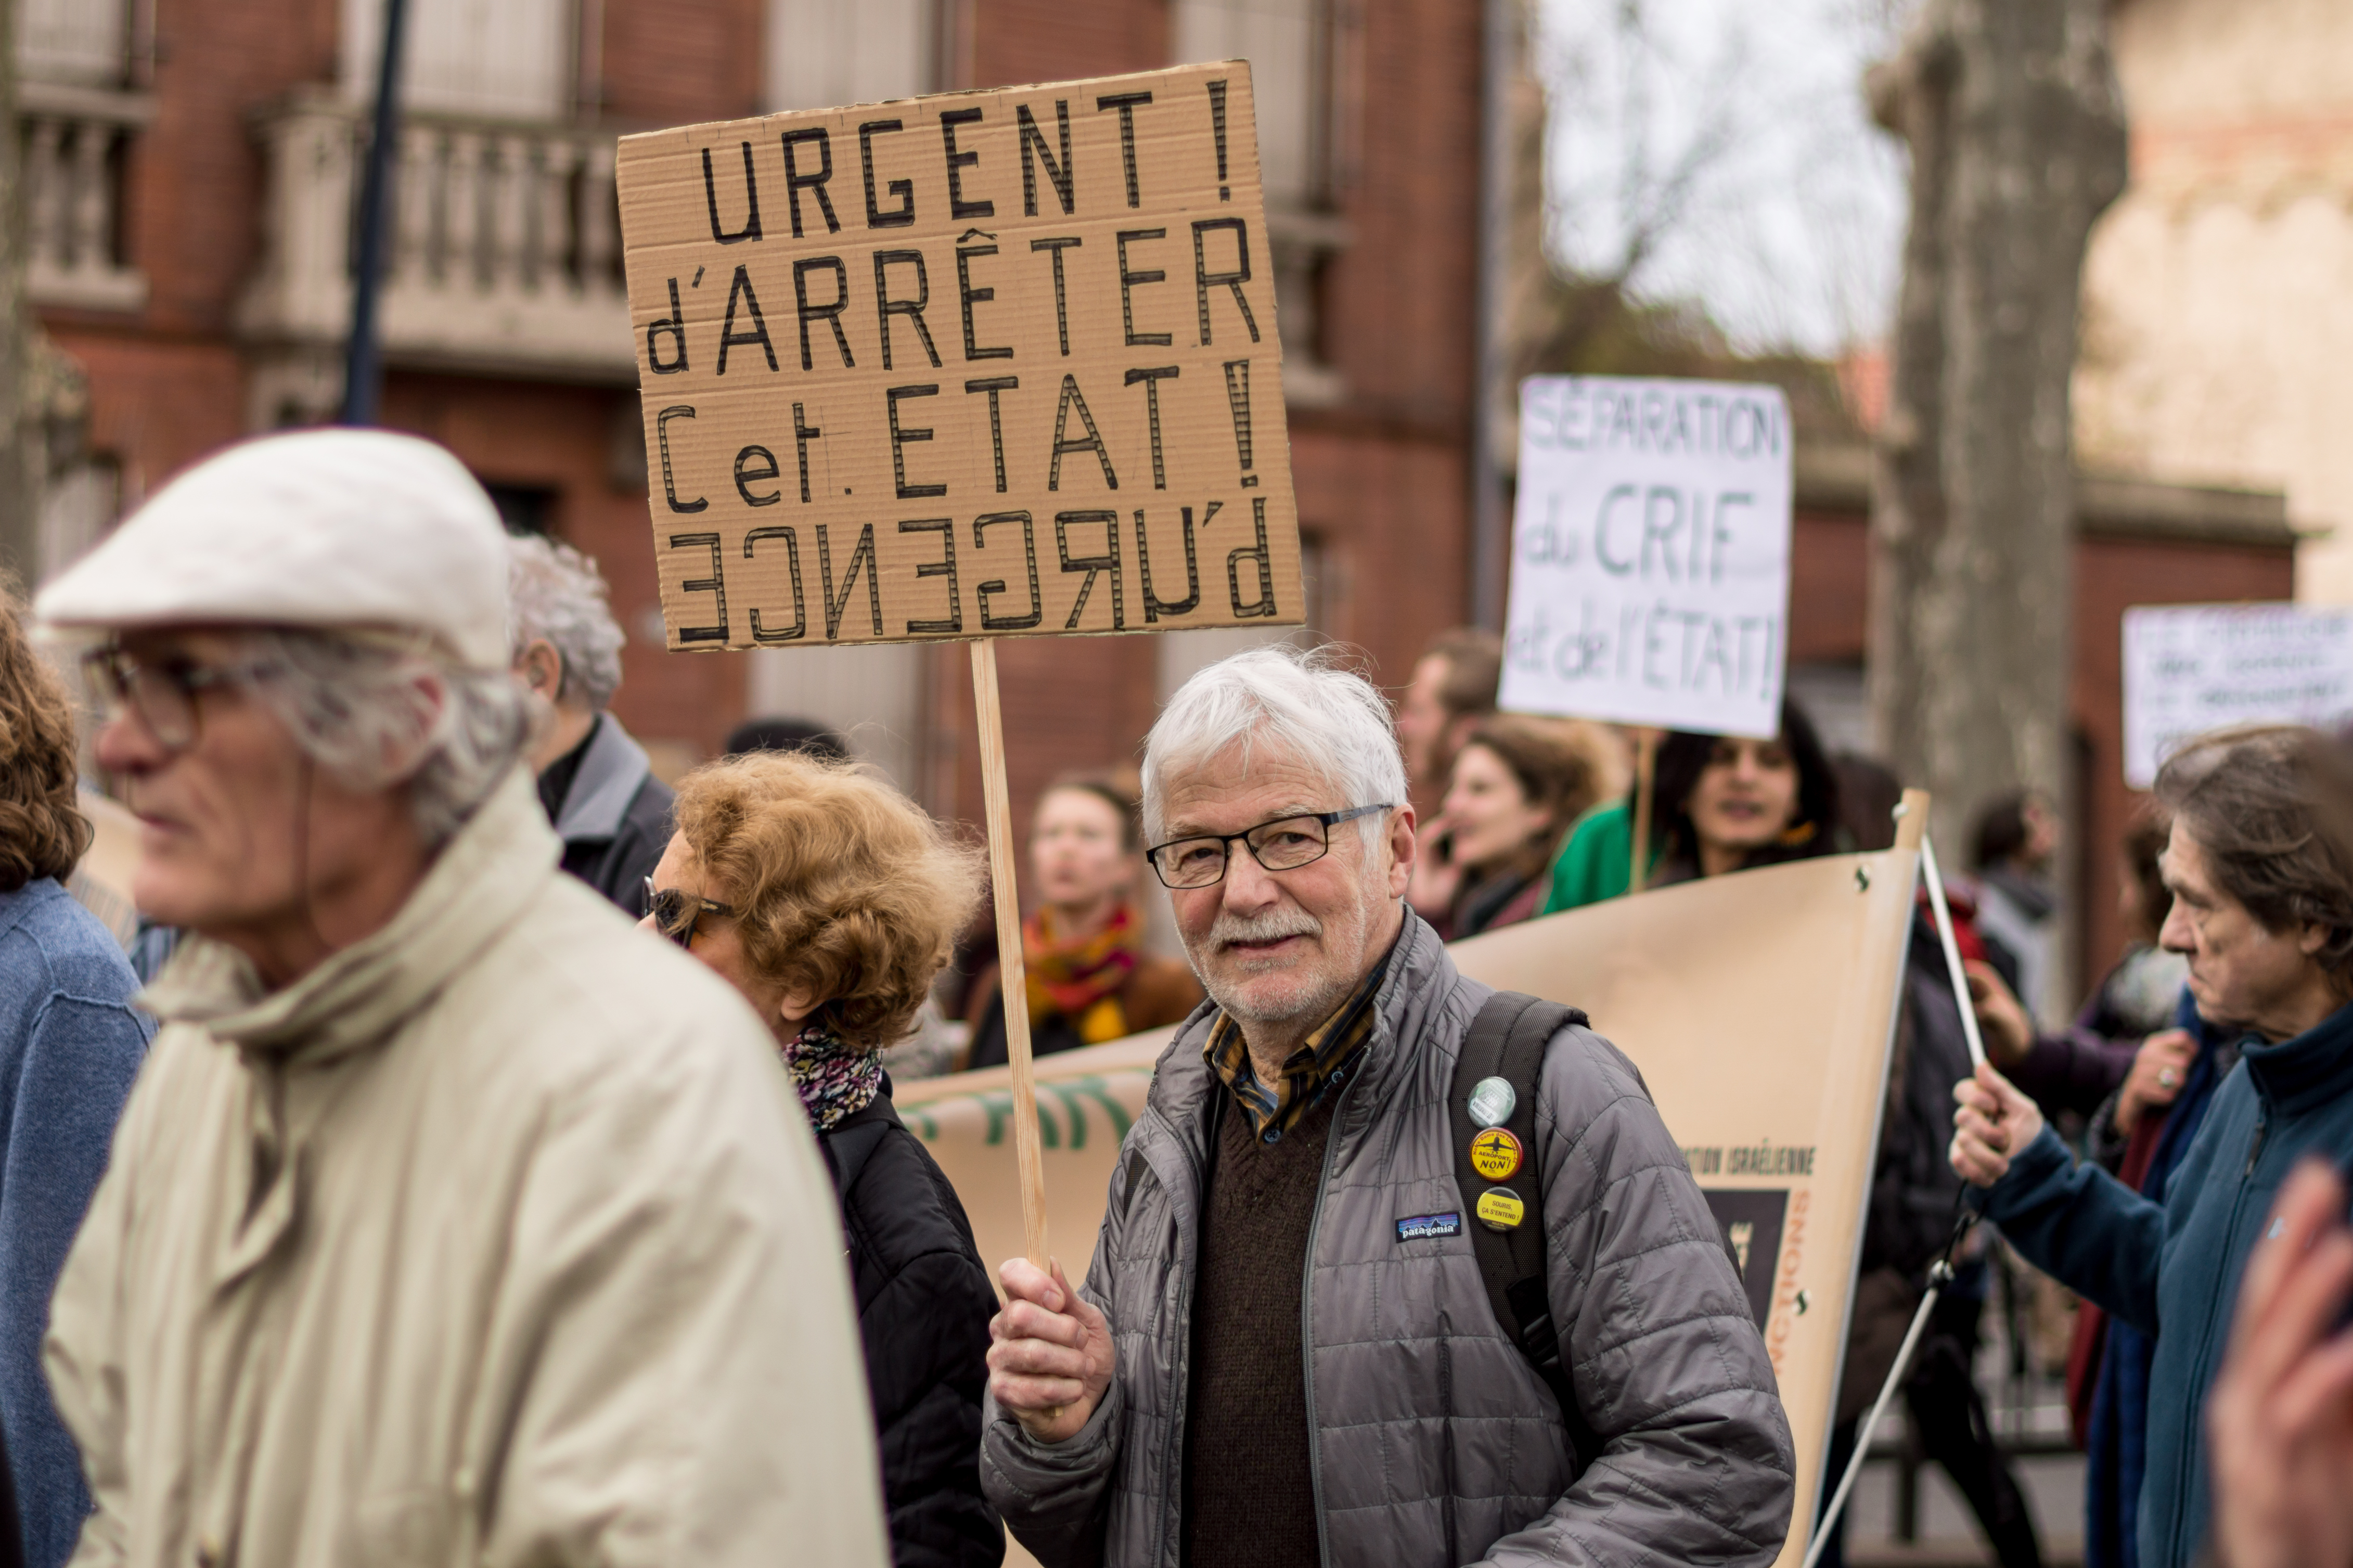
2190	669
1760	1008
1650	553
974	364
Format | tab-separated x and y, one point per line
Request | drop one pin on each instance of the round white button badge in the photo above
1492	1100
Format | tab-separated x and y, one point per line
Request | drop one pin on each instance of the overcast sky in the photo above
1746	123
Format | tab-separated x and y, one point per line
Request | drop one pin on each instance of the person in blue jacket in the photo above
2259	864
69	1047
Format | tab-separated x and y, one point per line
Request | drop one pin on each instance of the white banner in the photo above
1650	553
2190	669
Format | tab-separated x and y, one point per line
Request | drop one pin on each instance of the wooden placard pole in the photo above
1646	767
1013	983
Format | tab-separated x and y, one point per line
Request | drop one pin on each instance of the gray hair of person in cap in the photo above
299	651
384	715
1250	775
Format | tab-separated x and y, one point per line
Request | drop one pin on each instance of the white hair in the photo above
1305	705
556	593
359	708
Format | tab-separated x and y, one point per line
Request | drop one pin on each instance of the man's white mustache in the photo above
1269	927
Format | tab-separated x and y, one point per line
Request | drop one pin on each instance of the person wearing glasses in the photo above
1285	1352
450	1218
831	902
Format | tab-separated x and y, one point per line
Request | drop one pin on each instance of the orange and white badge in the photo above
1495	1154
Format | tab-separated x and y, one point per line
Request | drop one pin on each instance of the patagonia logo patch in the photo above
1421	1225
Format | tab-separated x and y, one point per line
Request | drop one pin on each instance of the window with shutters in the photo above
81	41
1295	49
822	53
1287	45
505	60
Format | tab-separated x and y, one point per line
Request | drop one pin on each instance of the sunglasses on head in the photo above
675	914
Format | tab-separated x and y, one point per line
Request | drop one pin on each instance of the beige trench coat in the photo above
499	1238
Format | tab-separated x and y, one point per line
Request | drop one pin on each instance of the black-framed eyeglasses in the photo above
163	694
676	914
1285	843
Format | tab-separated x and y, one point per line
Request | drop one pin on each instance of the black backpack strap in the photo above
1507	1040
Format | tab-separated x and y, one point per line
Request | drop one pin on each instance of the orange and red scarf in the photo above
1082	979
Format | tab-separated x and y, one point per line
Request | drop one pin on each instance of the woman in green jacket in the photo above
1719	803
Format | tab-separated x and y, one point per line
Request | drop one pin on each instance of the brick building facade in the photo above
193	167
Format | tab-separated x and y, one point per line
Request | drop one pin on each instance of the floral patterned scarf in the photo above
1081	979
835	1081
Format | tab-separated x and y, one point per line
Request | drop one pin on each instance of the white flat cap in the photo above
360	529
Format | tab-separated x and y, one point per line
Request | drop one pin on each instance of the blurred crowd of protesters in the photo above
446	1214
2243	853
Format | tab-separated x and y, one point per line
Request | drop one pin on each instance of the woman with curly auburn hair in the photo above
69	1047
831	901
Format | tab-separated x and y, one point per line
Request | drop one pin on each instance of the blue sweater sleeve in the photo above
75	1072
2082	1227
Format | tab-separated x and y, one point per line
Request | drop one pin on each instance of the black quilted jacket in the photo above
923	1306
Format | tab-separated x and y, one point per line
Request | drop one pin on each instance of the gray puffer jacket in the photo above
1434	1442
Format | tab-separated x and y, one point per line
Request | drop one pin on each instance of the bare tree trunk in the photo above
18	428
2016	135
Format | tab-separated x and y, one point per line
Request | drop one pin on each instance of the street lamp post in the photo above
364	356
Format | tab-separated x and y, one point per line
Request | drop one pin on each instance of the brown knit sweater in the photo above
1249	1498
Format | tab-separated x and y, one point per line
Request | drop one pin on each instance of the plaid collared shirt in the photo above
1309	1070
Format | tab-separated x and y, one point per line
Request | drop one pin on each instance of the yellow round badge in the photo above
1495	1154
1499	1208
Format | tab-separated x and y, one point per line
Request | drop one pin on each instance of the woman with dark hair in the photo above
1723	804
1090	979
1517	782
69	1047
1720	803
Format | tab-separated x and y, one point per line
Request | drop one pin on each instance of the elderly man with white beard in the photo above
1286	1352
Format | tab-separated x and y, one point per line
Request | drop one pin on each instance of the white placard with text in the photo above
1650	553
2190	669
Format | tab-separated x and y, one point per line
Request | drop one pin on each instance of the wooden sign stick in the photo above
1013	982
1646	767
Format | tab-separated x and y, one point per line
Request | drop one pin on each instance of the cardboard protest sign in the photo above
976	364
1650	553
2190	669
1760	1007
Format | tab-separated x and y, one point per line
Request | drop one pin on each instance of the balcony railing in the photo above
76	140
504	254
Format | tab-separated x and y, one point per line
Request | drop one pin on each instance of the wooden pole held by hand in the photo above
1646	768
1014	983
